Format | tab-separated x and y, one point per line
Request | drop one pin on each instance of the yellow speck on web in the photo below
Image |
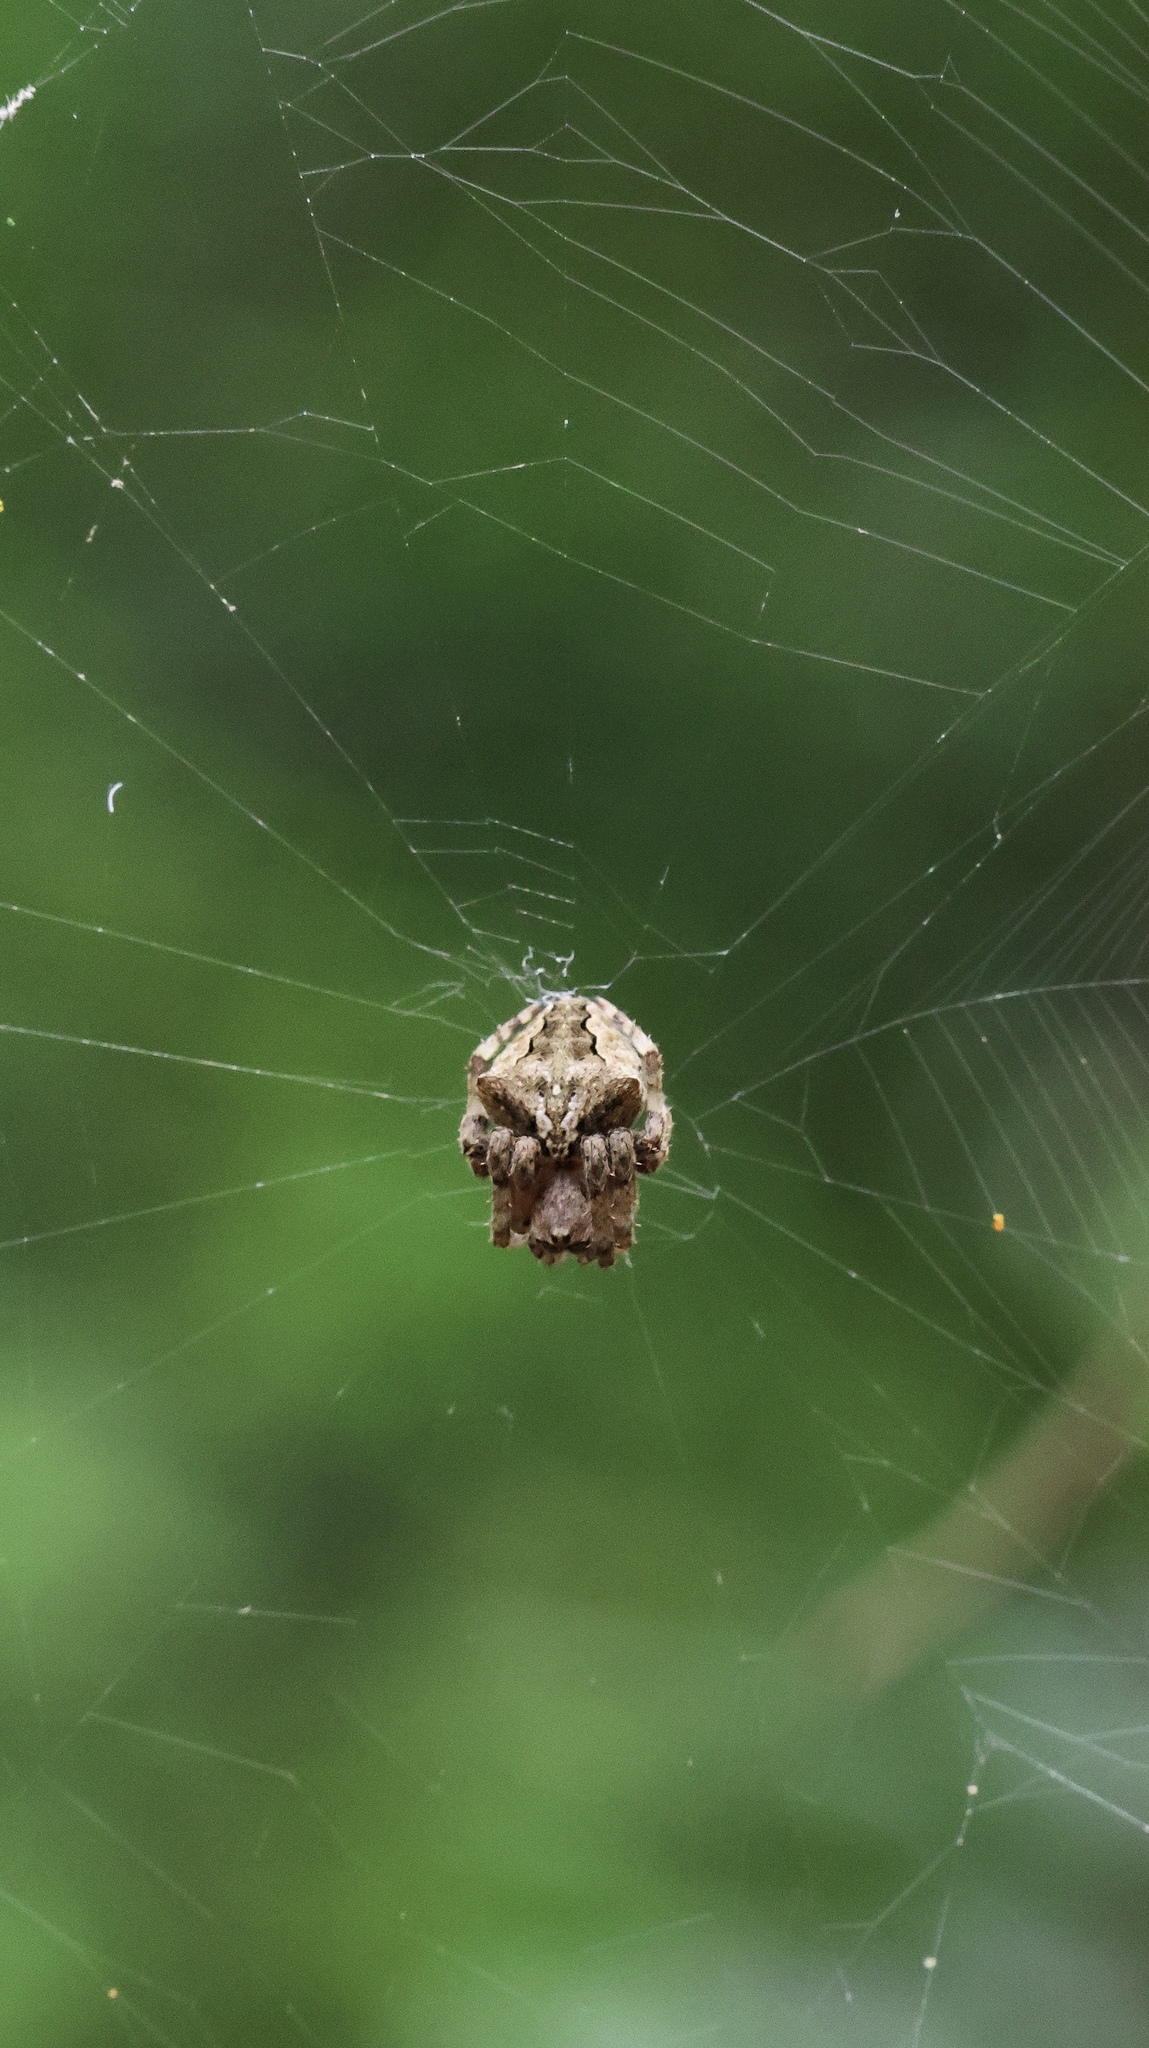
998	1220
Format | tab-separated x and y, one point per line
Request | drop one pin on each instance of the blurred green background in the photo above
613	496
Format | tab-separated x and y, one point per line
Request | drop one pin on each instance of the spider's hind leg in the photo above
473	1131
652	1145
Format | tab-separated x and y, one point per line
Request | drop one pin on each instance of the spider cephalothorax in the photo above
551	1097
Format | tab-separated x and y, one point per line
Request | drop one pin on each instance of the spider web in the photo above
506	498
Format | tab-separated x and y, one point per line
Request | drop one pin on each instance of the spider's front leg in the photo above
525	1161
595	1164
622	1192
652	1145
473	1138
608	1170
500	1155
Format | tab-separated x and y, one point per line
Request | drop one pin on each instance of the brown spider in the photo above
551	1097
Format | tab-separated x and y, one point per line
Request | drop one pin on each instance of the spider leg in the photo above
608	1166
500	1150
502	1215
525	1161
620	1152
500	1154
622	1201
595	1164
601	1195
473	1140
652	1145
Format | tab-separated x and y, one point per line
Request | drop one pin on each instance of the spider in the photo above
551	1097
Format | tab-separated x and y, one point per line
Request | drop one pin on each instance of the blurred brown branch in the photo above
995	1539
